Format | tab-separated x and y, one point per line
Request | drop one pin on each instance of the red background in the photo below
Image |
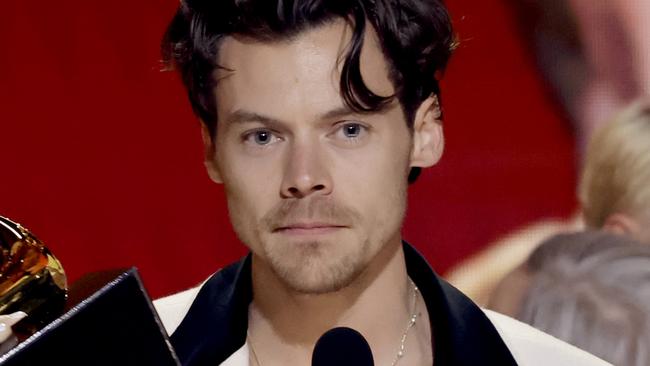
102	158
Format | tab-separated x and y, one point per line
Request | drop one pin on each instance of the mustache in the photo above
319	209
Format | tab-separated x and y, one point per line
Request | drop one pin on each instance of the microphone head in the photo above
342	347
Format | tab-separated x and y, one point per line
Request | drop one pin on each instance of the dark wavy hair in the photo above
416	37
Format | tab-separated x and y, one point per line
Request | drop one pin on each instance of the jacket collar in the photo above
216	324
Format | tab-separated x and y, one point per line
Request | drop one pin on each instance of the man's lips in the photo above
310	228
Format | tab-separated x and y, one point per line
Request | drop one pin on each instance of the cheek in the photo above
251	189
390	183
246	207
249	194
376	180
245	175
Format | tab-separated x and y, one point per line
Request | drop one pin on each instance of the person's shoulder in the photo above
215	289
172	309
532	347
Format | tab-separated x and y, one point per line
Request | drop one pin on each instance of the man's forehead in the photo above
326	43
313	56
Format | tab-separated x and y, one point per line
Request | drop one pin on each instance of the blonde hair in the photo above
616	173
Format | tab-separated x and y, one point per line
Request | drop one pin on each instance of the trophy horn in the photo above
32	280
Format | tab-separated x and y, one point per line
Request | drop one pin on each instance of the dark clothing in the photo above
217	322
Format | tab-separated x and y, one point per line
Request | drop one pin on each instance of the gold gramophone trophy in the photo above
33	286
107	318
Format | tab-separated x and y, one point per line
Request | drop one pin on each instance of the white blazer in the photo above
529	346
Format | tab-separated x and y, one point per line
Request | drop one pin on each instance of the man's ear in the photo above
209	155
428	140
623	224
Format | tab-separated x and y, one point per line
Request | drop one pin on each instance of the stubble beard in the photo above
314	267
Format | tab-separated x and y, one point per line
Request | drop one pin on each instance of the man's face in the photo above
314	190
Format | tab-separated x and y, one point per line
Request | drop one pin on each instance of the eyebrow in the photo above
342	111
244	116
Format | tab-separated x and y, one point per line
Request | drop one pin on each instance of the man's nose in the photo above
306	172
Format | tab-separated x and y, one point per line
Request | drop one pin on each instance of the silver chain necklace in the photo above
402	344
414	316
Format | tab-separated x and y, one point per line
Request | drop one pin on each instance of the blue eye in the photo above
262	137
352	130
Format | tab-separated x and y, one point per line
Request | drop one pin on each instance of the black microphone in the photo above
342	347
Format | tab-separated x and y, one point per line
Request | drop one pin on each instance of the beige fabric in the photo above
532	347
172	309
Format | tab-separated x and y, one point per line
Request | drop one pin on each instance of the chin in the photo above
316	267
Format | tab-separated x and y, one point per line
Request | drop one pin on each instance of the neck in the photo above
378	304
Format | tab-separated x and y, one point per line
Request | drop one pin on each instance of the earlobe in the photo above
622	224
428	139
209	154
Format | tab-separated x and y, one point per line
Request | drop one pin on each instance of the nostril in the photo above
297	191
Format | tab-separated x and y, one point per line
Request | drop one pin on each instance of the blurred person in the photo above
614	193
591	289
478	275
615	37
594	53
614	189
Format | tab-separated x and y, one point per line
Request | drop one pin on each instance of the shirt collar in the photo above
216	324
462	333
